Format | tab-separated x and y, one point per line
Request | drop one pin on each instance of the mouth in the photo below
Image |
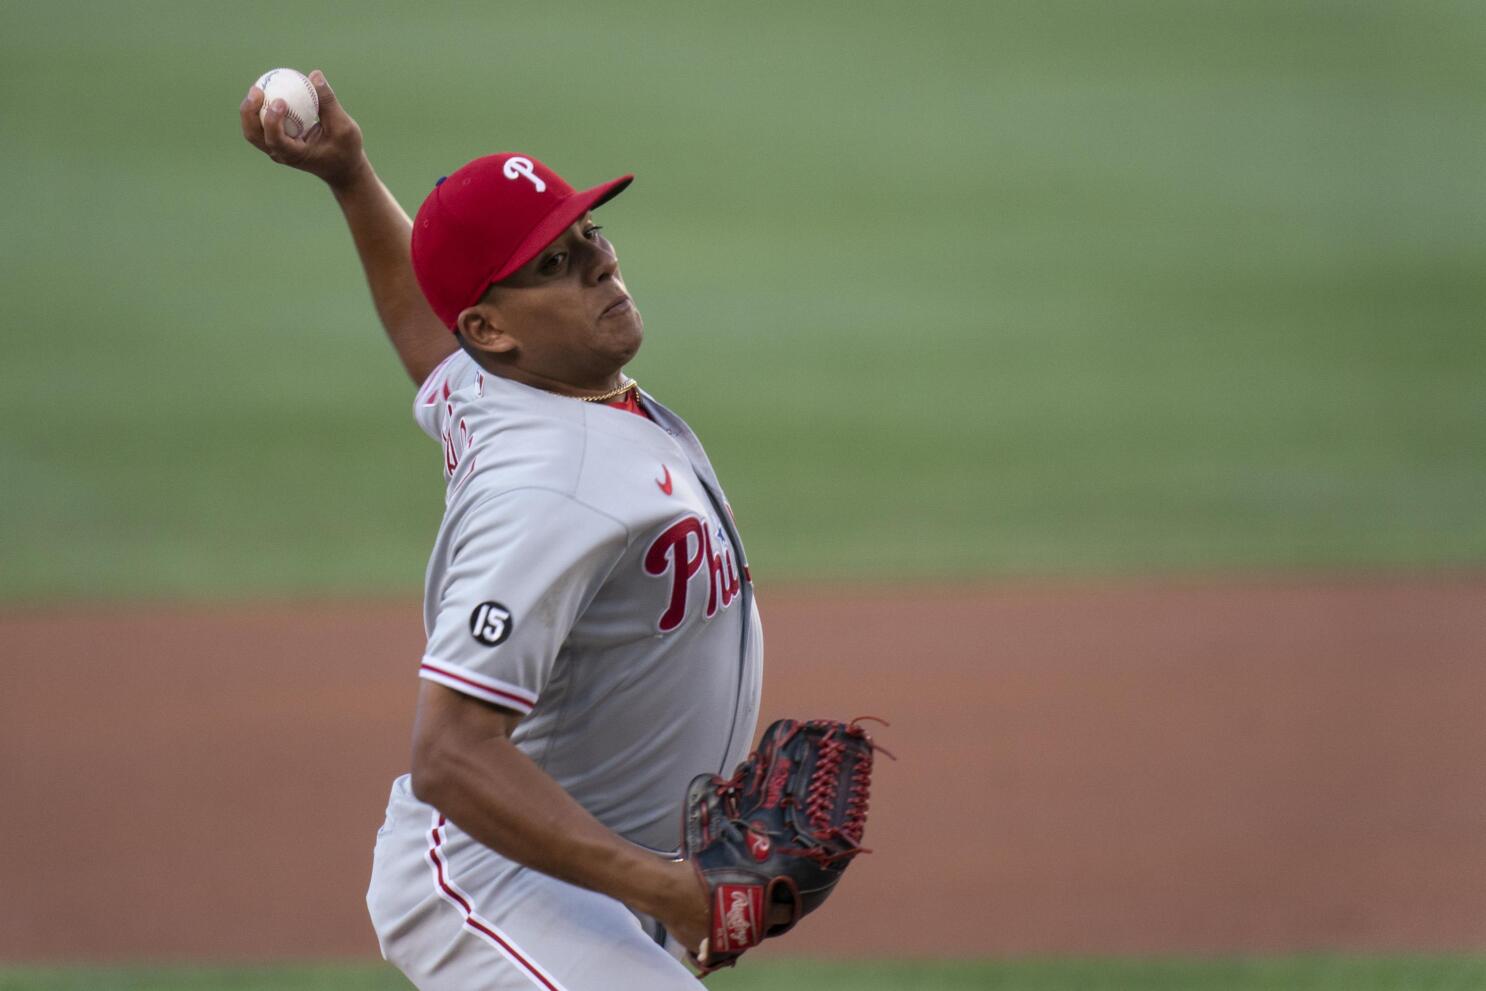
620	305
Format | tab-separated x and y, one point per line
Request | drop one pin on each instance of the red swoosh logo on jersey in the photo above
664	486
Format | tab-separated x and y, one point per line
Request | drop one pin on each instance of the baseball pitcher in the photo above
594	654
593	641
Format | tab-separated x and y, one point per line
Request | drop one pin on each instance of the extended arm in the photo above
379	227
465	765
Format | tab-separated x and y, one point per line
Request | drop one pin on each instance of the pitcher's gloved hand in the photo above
771	842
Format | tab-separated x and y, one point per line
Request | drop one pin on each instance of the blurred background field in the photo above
949	289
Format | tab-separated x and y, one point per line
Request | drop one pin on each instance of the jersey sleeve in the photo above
431	406
520	572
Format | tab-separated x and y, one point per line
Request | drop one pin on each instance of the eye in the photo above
554	261
592	232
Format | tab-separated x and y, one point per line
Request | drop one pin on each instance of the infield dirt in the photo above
1135	767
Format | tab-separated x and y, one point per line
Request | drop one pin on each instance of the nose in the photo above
603	265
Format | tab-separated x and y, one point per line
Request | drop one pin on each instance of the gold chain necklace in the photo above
611	394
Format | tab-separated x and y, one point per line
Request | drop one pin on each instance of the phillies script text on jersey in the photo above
681	549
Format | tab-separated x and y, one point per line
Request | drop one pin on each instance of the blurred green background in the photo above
947	288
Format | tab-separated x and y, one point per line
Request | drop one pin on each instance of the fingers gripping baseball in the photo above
332	149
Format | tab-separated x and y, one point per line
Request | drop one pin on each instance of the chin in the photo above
633	337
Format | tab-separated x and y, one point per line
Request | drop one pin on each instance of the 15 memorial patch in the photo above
491	623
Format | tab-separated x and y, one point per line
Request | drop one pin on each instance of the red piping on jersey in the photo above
454	895
524	704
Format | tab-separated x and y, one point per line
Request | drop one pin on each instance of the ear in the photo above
480	326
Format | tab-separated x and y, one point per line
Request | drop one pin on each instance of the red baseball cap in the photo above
482	223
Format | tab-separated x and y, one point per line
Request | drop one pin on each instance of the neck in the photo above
577	388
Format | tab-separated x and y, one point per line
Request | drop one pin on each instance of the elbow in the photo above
423	788
455	740
432	774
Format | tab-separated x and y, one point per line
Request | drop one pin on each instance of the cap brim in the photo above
562	216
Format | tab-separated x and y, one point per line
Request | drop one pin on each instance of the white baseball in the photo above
299	96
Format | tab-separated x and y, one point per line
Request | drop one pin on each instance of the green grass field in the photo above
1279	974
948	289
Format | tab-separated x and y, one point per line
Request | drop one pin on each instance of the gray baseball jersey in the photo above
588	575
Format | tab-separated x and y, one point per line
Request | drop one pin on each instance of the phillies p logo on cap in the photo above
516	166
